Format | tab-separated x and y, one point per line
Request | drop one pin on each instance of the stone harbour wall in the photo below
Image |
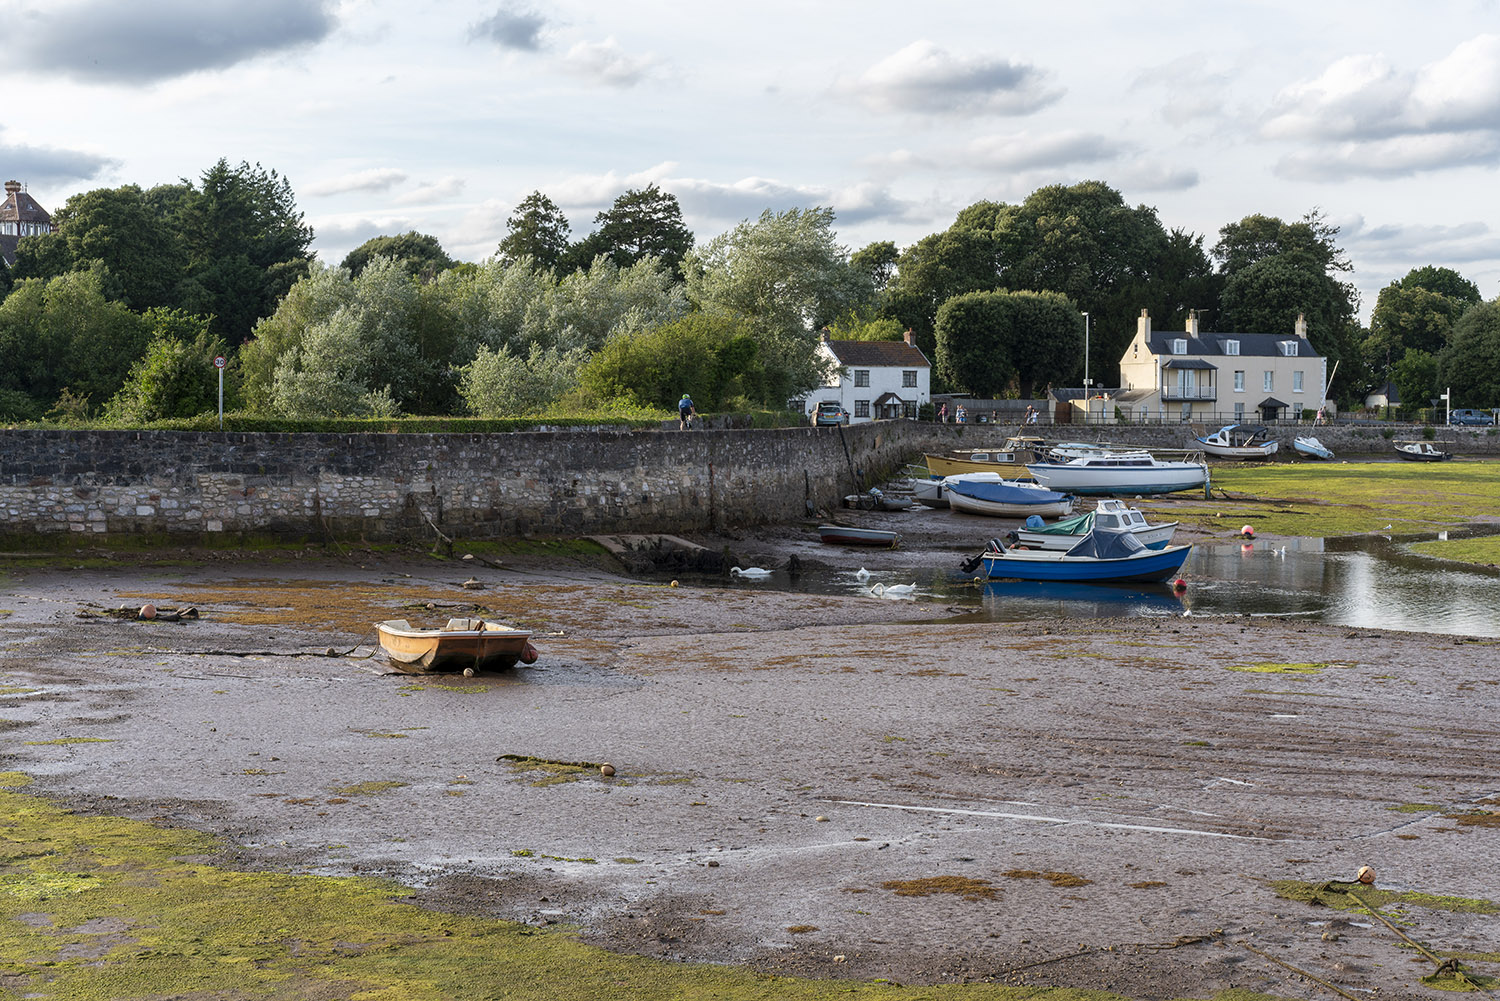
394	486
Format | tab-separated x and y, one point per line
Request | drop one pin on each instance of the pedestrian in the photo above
1031	415
943	413
1319	418
685	412
961	413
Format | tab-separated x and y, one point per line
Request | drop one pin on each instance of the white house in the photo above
876	380
1185	375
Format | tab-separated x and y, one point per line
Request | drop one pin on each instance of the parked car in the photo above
1474	418
830	413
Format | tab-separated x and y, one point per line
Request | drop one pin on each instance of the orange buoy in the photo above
1248	532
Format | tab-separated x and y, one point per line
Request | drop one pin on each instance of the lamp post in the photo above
1447	399
1085	355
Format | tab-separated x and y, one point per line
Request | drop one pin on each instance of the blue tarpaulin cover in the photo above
1107	545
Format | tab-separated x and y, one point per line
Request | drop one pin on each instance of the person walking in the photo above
685	412
943	413
961	414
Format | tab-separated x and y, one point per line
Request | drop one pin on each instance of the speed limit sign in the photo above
219	362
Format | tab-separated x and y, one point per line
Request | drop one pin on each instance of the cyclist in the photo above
685	412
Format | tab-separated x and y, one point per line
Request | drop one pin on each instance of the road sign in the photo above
220	362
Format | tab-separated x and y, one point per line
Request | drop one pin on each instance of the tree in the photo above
176	376
1445	282
1416	377
639	224
536	229
878	260
43	255
1411	317
502	384
132	237
246	245
713	358
1470	366
785	276
988	340
418	254
935	269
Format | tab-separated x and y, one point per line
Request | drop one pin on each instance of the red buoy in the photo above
1179	584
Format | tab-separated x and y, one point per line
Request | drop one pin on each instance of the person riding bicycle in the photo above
685	412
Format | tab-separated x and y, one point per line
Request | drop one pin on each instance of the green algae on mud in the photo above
1337	896
179	925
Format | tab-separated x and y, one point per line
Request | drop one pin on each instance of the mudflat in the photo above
823	786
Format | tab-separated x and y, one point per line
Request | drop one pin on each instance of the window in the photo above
1289	349
1269	380
1239	381
1296	382
1187	411
862	407
861	377
1231	347
1239	413
1179	345
909	378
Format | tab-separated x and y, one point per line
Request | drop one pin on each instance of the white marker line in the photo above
1049	820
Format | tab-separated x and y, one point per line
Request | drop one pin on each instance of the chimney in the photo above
1143	325
907	337
1192	323
11	187
1301	328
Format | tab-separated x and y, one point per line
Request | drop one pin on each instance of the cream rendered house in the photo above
1225	378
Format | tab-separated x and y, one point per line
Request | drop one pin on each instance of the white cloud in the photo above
374	179
104	41
47	165
607	63
1363	116
1025	151
512	29
441	190
596	191
926	79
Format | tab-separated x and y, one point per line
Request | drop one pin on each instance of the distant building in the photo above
1187	375
874	380
20	216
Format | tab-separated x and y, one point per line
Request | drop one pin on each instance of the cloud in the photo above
512	29
1363	116
374	179
440	190
749	197
595	191
925	79
1152	175
1025	151
104	41
605	62
44	165
1397	245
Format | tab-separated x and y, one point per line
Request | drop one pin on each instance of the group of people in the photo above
961	416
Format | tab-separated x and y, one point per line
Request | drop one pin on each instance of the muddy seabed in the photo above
814	785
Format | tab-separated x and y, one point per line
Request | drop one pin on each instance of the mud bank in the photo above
835	787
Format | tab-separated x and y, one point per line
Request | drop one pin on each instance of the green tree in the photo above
44	255
1409	317
246	244
785	276
176	376
1416	377
1470	366
1444	282
132	237
502	384
640	223
63	334
878	261
536	229
418	254
711	357
935	269
988	340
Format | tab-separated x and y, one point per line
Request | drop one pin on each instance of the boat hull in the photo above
946	465
930	493
1164	478
1152	537
1146	565
1239	451
1415	456
486	646
1311	448
844	535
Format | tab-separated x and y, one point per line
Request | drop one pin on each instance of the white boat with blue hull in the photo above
1098	556
1123	473
1311	448
1110	514
989	494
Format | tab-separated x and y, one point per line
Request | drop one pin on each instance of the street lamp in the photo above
1085	354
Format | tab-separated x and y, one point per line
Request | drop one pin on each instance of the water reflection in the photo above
1367	581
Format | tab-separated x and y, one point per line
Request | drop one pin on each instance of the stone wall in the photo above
382	487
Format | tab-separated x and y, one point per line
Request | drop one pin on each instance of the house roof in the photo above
878	354
21	207
1271	402
886	398
1188	363
1159	342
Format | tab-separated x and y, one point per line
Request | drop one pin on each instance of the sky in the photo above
441	115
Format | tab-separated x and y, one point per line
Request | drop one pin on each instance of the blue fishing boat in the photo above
987	493
1098	556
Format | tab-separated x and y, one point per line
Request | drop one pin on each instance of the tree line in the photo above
120	312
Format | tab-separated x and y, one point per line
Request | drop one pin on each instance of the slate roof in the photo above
878	354
21	207
1160	343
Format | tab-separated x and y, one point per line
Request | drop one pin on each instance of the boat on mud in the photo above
468	645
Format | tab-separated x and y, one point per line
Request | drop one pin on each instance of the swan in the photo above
895	589
753	572
862	574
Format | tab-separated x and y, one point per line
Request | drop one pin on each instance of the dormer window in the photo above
1231	347
1289	349
1179	345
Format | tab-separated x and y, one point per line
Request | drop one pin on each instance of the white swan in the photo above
862	574
897	590
753	572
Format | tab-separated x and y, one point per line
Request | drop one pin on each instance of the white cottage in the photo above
1189	376
876	380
